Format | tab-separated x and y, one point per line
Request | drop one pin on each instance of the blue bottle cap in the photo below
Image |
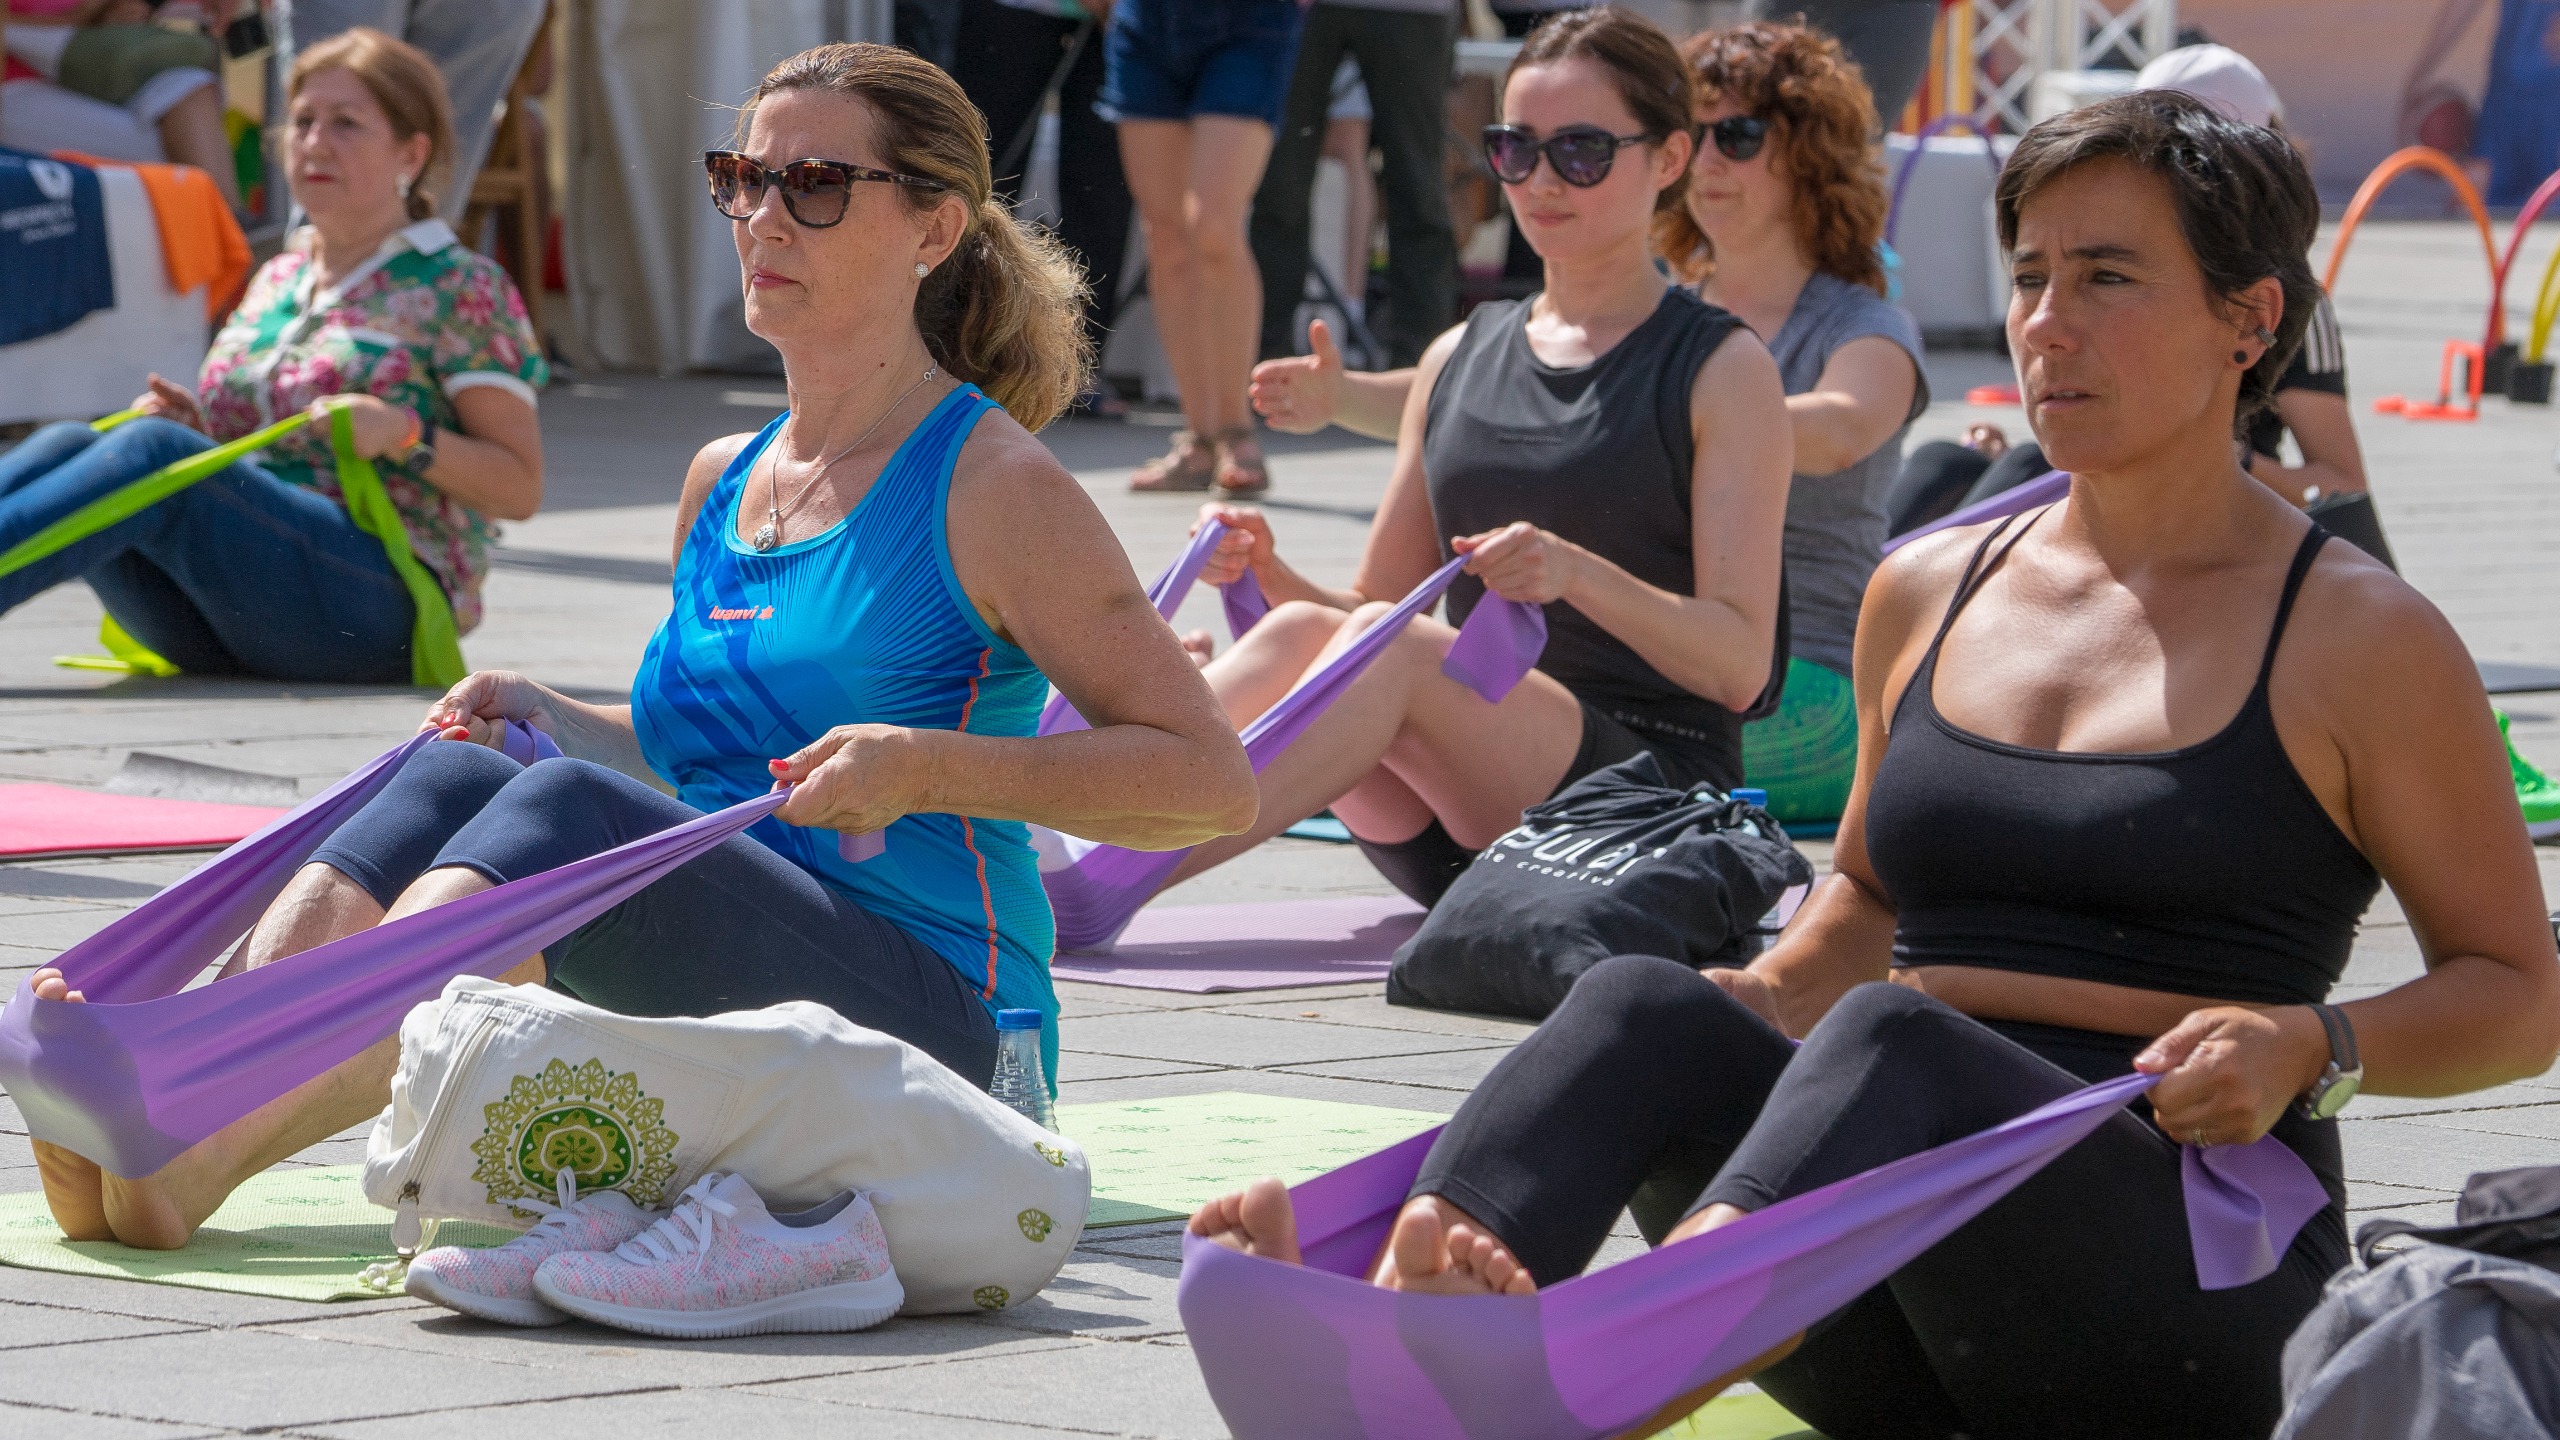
1748	795
1017	1019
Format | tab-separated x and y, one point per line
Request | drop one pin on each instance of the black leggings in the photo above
736	928
2069	1307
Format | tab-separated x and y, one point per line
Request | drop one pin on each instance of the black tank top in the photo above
2208	870
1600	454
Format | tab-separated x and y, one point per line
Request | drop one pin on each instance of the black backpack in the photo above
1619	863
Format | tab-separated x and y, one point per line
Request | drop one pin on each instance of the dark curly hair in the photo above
2245	203
1822	126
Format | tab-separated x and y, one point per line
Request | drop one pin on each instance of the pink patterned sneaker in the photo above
497	1284
721	1264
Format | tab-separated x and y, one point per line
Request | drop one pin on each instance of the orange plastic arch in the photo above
2401	162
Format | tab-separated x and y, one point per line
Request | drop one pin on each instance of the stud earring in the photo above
2240	358
405	183
922	269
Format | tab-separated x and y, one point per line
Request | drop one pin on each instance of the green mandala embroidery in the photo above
584	1120
1051	1153
1035	1225
991	1297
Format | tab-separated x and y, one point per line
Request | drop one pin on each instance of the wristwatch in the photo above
420	457
2344	1074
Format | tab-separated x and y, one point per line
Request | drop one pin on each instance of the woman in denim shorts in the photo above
1197	88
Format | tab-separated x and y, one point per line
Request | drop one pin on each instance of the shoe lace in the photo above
554	1216
686	1230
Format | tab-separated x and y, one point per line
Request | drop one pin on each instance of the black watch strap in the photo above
2342	1036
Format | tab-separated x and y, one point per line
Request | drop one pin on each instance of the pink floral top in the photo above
422	320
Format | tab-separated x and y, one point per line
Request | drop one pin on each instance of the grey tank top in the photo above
1601	455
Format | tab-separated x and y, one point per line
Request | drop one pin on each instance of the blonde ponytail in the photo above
1006	311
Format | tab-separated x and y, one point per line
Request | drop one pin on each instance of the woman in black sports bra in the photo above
2151	753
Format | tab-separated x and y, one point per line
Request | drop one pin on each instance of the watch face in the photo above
2335	1090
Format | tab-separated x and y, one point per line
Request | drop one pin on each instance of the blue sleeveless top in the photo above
865	623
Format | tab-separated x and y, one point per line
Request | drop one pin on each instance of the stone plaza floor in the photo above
2474	511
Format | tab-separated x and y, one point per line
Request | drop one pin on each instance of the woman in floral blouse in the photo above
260	570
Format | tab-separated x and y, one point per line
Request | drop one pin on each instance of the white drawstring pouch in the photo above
503	1089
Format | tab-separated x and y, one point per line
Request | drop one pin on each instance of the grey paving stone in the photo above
1268	1082
1114	1296
2431	1155
30	1328
1370	1009
1112	1389
1210	1038
621	1359
263	1378
1078	1065
738	1414
28	1422
1457	1070
176	1302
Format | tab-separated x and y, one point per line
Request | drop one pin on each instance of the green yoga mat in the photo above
298	1234
1162	1159
306	1233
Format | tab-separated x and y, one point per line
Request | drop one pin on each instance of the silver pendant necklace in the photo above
769	534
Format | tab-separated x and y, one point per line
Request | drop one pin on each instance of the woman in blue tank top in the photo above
872	595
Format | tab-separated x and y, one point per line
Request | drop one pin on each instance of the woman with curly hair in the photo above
1784	217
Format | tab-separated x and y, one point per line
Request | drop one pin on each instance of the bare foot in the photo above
71	1181
1438	1249
1258	1220
1200	647
72	1192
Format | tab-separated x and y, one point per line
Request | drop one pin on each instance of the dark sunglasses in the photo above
814	191
1739	136
1581	154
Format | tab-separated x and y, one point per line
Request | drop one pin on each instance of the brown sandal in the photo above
1191	465
1238	474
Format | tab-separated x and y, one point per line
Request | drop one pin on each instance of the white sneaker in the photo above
722	1264
497	1283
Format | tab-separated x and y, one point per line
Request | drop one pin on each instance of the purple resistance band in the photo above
2017	499
1101	886
1314	1352
145	1068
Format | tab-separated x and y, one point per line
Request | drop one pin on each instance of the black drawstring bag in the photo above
1619	863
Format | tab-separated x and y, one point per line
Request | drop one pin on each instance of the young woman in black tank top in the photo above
1614	449
2131	769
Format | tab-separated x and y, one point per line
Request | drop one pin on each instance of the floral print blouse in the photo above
421	321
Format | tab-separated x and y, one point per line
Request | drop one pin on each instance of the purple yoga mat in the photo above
1095	889
1266	945
2051	485
1312	1352
145	1069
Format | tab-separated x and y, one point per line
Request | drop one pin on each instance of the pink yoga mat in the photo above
1268	945
52	820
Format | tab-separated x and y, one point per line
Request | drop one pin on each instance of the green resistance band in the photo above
435	649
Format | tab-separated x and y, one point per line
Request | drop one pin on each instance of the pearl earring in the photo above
922	269
405	183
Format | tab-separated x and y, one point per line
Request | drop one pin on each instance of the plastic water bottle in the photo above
1022	1083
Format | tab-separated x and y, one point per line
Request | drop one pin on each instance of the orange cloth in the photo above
199	241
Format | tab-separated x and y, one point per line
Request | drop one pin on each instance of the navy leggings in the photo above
737	928
2069	1307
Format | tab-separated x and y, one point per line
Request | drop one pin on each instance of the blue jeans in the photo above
239	574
